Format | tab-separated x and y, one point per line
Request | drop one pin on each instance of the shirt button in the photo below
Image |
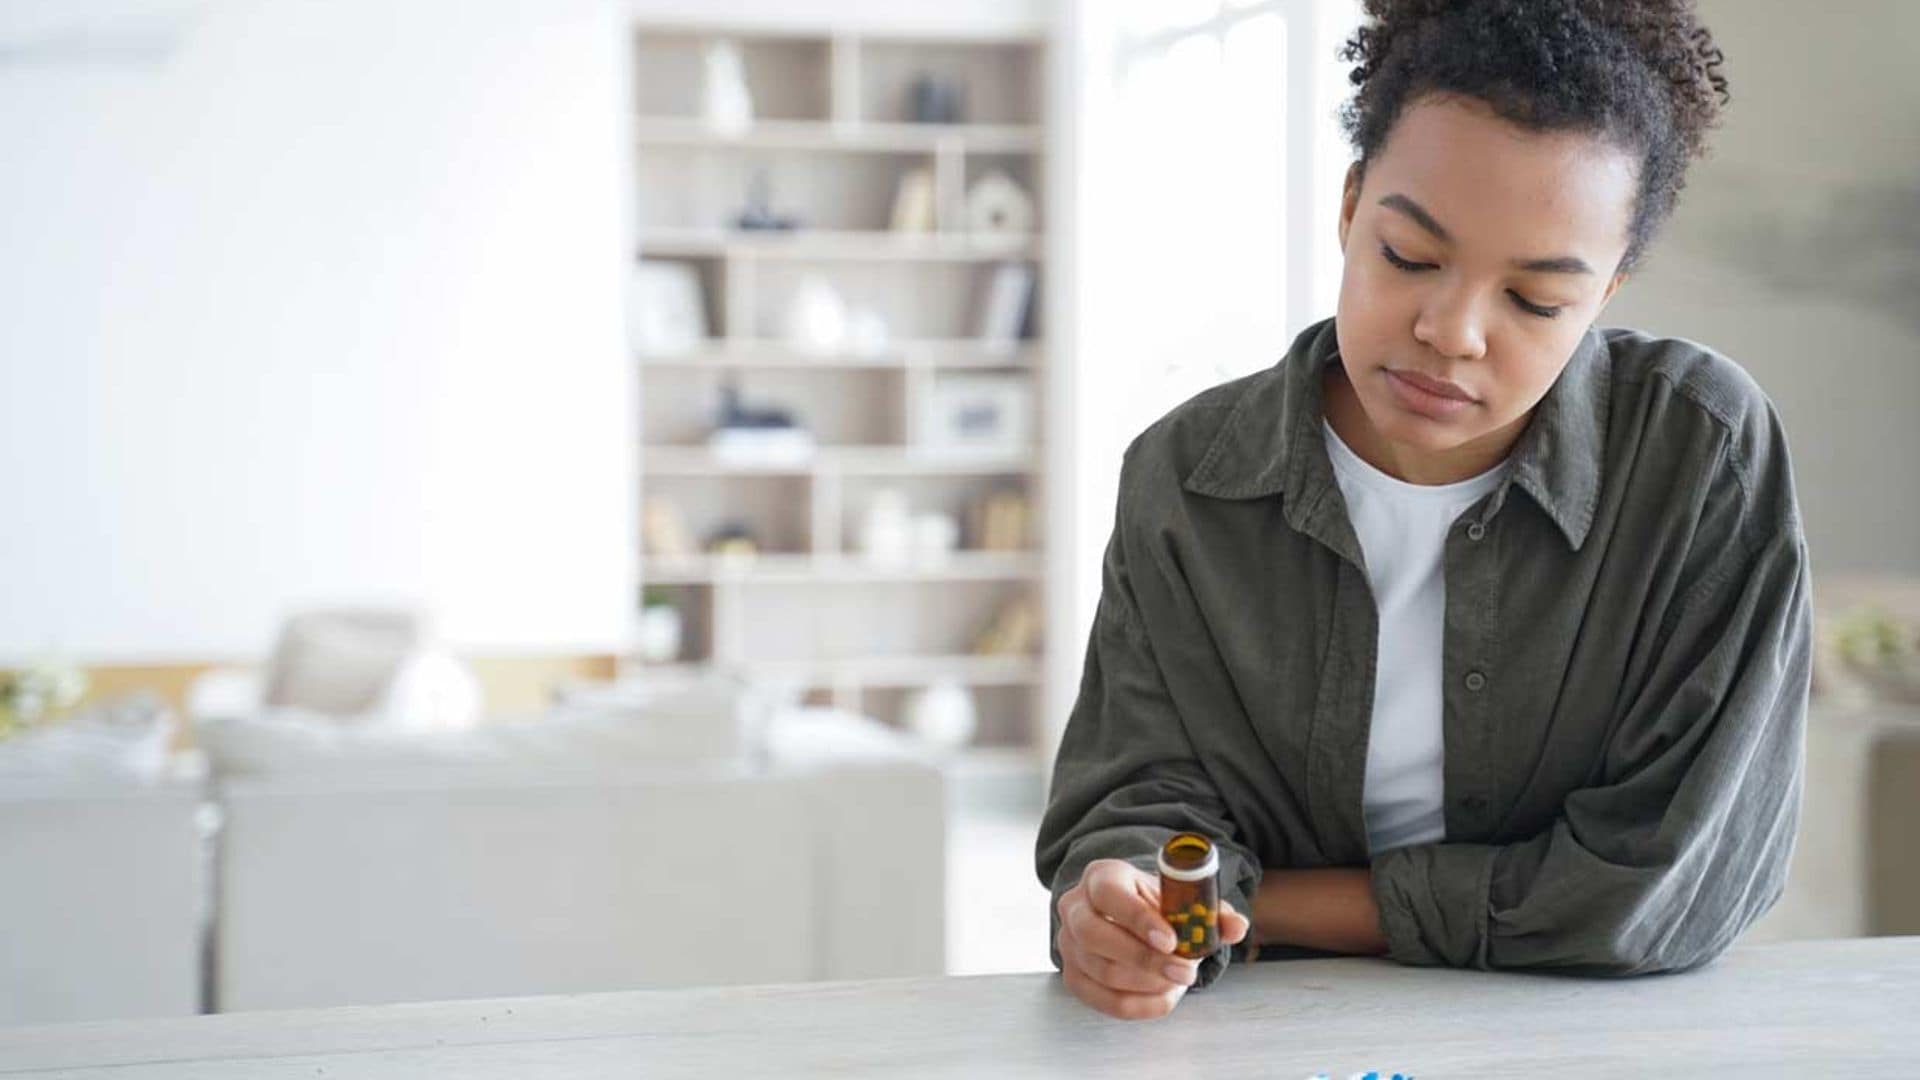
1475	680
1476	530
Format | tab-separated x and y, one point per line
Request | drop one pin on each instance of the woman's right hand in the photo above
1116	950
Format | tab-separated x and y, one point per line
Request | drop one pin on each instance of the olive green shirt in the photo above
1627	642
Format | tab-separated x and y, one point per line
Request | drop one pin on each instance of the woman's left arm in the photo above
1685	840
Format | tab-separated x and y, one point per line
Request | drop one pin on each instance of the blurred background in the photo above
515	498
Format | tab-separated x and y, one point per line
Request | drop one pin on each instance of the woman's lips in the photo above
1415	396
1435	386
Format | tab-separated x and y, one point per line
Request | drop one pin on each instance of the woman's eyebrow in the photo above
1559	264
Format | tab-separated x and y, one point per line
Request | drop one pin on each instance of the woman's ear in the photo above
1349	200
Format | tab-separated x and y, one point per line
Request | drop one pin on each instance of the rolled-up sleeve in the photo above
1684	840
1126	776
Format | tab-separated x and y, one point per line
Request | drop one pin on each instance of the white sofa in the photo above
102	881
815	851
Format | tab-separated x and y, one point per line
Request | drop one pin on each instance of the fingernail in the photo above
1163	940
1181	974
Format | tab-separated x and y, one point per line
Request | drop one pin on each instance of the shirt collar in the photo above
1271	441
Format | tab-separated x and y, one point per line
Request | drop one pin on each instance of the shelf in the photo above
888	138
788	569
860	245
931	352
872	671
865	460
828	146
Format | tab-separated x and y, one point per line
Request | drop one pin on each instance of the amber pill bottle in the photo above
1190	893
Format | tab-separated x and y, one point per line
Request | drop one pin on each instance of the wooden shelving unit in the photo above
831	137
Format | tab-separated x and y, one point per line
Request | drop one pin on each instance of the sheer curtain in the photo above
1204	210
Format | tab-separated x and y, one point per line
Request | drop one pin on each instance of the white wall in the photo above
322	304
1796	251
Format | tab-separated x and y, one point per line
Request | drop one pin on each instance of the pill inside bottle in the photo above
1190	893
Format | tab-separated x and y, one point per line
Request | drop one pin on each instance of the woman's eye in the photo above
1394	258
1530	308
1534	309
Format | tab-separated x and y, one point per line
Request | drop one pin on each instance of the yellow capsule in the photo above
1180	919
1199	909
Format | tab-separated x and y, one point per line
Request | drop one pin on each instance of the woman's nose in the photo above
1451	324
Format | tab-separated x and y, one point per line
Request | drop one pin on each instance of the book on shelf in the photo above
1003	307
998	521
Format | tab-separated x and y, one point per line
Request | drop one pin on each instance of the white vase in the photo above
886	529
660	630
935	536
866	332
816	317
997	206
728	104
942	715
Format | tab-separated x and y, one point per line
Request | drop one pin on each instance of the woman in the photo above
1473	634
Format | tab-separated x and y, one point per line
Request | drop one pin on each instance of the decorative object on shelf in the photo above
663	529
935	536
1003	307
913	202
997	206
886	529
660	627
756	436
866	332
937	99
733	540
998	521
758	214
733	415
667	314
942	715
727	105
1014	631
816	317
39	693
978	412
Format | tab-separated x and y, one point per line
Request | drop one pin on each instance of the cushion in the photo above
338	662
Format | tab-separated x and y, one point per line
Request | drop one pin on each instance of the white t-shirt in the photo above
1403	531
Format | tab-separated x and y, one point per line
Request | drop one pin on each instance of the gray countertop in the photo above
1806	1009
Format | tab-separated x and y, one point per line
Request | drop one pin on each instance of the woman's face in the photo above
1477	255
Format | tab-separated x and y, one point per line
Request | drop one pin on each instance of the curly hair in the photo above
1643	75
